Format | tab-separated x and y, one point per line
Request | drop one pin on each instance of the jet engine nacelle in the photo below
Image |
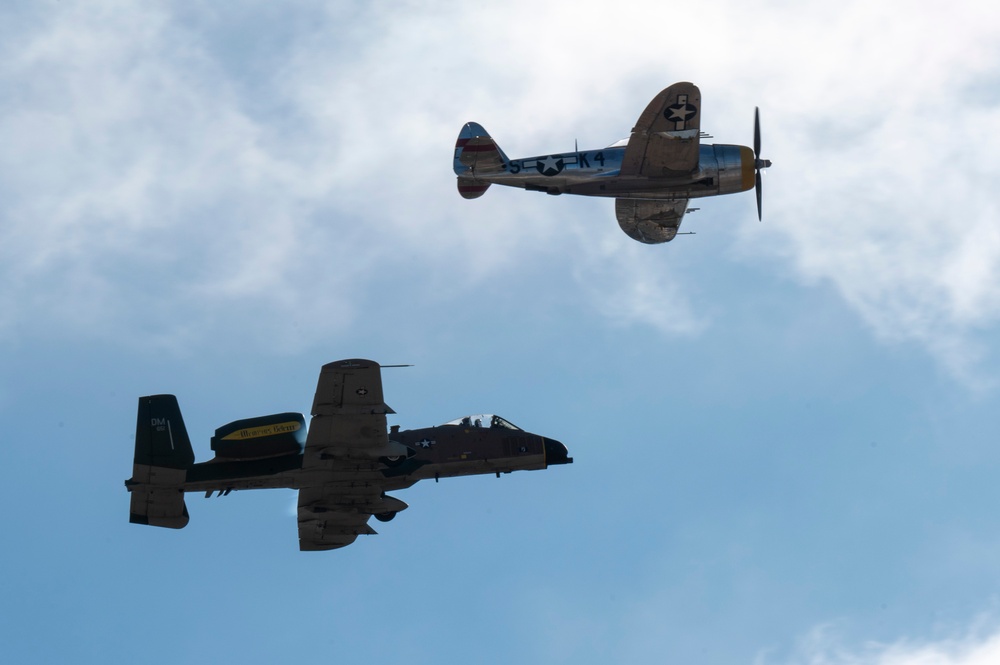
266	436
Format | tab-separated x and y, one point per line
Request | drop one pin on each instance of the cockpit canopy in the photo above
487	420
620	143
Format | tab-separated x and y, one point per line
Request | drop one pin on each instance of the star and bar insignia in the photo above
551	165
680	112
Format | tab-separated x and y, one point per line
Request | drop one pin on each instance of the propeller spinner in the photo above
758	162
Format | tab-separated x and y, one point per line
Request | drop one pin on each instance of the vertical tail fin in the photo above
161	439
163	455
476	154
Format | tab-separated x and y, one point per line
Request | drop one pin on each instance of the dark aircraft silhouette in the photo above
342	468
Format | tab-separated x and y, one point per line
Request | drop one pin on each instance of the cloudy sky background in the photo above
785	433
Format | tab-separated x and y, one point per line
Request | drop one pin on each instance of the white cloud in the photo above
630	284
142	194
882	169
882	172
978	647
138	168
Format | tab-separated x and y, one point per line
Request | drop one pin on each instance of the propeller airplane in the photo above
652	174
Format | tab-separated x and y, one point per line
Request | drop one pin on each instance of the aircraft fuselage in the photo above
434	452
722	169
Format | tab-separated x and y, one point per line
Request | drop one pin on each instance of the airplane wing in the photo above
334	515
348	413
664	141
648	220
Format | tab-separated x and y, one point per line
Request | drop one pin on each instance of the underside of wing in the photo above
334	515
348	413
650	221
664	141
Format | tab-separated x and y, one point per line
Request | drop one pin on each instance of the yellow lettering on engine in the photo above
264	430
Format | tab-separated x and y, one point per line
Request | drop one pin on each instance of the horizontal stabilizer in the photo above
158	507
470	188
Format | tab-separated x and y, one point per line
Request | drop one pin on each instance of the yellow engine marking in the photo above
264	430
747	164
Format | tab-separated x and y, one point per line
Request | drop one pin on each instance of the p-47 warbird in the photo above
342	467
652	174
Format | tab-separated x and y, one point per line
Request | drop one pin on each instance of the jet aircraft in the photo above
652	174
342	467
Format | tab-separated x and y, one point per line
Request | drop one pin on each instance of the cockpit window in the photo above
497	421
620	143
486	420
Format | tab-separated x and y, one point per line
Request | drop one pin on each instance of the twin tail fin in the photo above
163	455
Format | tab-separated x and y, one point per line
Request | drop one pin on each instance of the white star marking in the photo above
426	443
550	162
678	113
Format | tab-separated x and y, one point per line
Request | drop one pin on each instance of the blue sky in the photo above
785	433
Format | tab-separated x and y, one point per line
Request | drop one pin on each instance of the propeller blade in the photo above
757	189
756	132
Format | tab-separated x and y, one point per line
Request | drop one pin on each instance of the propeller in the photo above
758	163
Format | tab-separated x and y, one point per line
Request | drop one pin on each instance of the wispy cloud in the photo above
881	188
141	169
978	647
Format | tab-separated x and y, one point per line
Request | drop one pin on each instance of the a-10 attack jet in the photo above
342	467
651	174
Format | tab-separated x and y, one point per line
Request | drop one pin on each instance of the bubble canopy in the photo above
485	420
